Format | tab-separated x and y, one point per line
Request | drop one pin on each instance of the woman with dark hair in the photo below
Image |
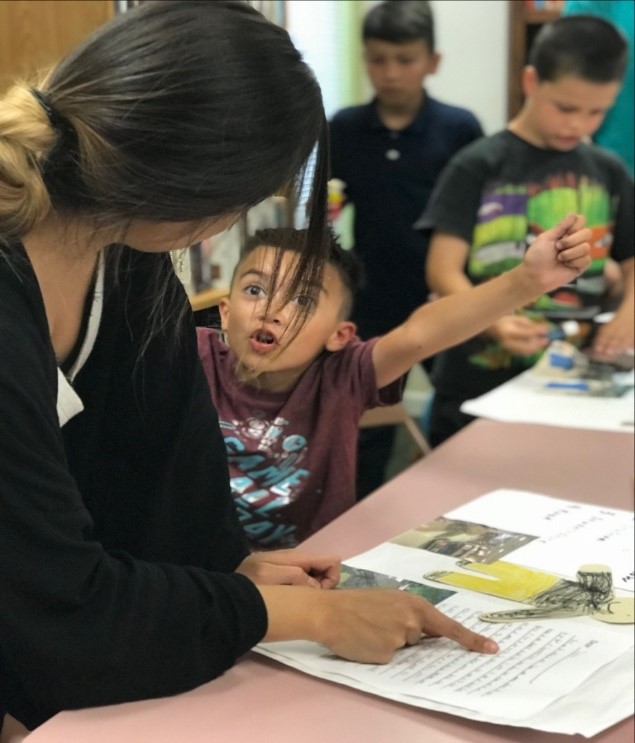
123	571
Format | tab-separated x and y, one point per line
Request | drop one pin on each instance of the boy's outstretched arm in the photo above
556	257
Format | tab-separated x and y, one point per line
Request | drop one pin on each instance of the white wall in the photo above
313	27
472	37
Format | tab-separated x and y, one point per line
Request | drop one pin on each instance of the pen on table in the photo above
581	386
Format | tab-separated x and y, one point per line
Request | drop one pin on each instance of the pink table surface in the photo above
260	700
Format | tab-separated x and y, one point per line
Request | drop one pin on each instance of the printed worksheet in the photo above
506	551
525	400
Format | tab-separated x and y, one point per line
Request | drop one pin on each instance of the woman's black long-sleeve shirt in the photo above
117	530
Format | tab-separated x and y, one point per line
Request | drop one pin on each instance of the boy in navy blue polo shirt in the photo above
390	153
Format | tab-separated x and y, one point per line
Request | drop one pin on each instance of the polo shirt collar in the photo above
417	125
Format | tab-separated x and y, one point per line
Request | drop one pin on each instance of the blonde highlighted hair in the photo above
26	140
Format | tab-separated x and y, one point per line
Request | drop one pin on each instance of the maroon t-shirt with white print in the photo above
292	455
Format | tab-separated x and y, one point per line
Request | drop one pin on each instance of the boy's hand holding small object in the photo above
556	257
520	334
559	255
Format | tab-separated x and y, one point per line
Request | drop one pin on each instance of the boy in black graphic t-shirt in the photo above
499	193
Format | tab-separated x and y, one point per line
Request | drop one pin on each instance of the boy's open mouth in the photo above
264	336
262	340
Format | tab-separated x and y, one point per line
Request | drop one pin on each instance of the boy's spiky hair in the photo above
346	263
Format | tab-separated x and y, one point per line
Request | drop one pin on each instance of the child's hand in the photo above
559	255
615	337
290	567
520	335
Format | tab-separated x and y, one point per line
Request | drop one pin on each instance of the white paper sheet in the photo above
597	693
571	676
524	400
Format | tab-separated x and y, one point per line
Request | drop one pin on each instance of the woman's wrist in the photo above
296	613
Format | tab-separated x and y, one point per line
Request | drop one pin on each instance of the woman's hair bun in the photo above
26	140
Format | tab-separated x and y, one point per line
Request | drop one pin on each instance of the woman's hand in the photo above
363	625
291	567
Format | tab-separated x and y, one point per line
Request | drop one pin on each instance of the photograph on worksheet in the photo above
463	539
359	578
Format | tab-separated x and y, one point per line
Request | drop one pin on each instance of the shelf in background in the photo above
525	22
208	298
539	16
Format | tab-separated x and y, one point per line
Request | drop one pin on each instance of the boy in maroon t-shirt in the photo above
289	400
